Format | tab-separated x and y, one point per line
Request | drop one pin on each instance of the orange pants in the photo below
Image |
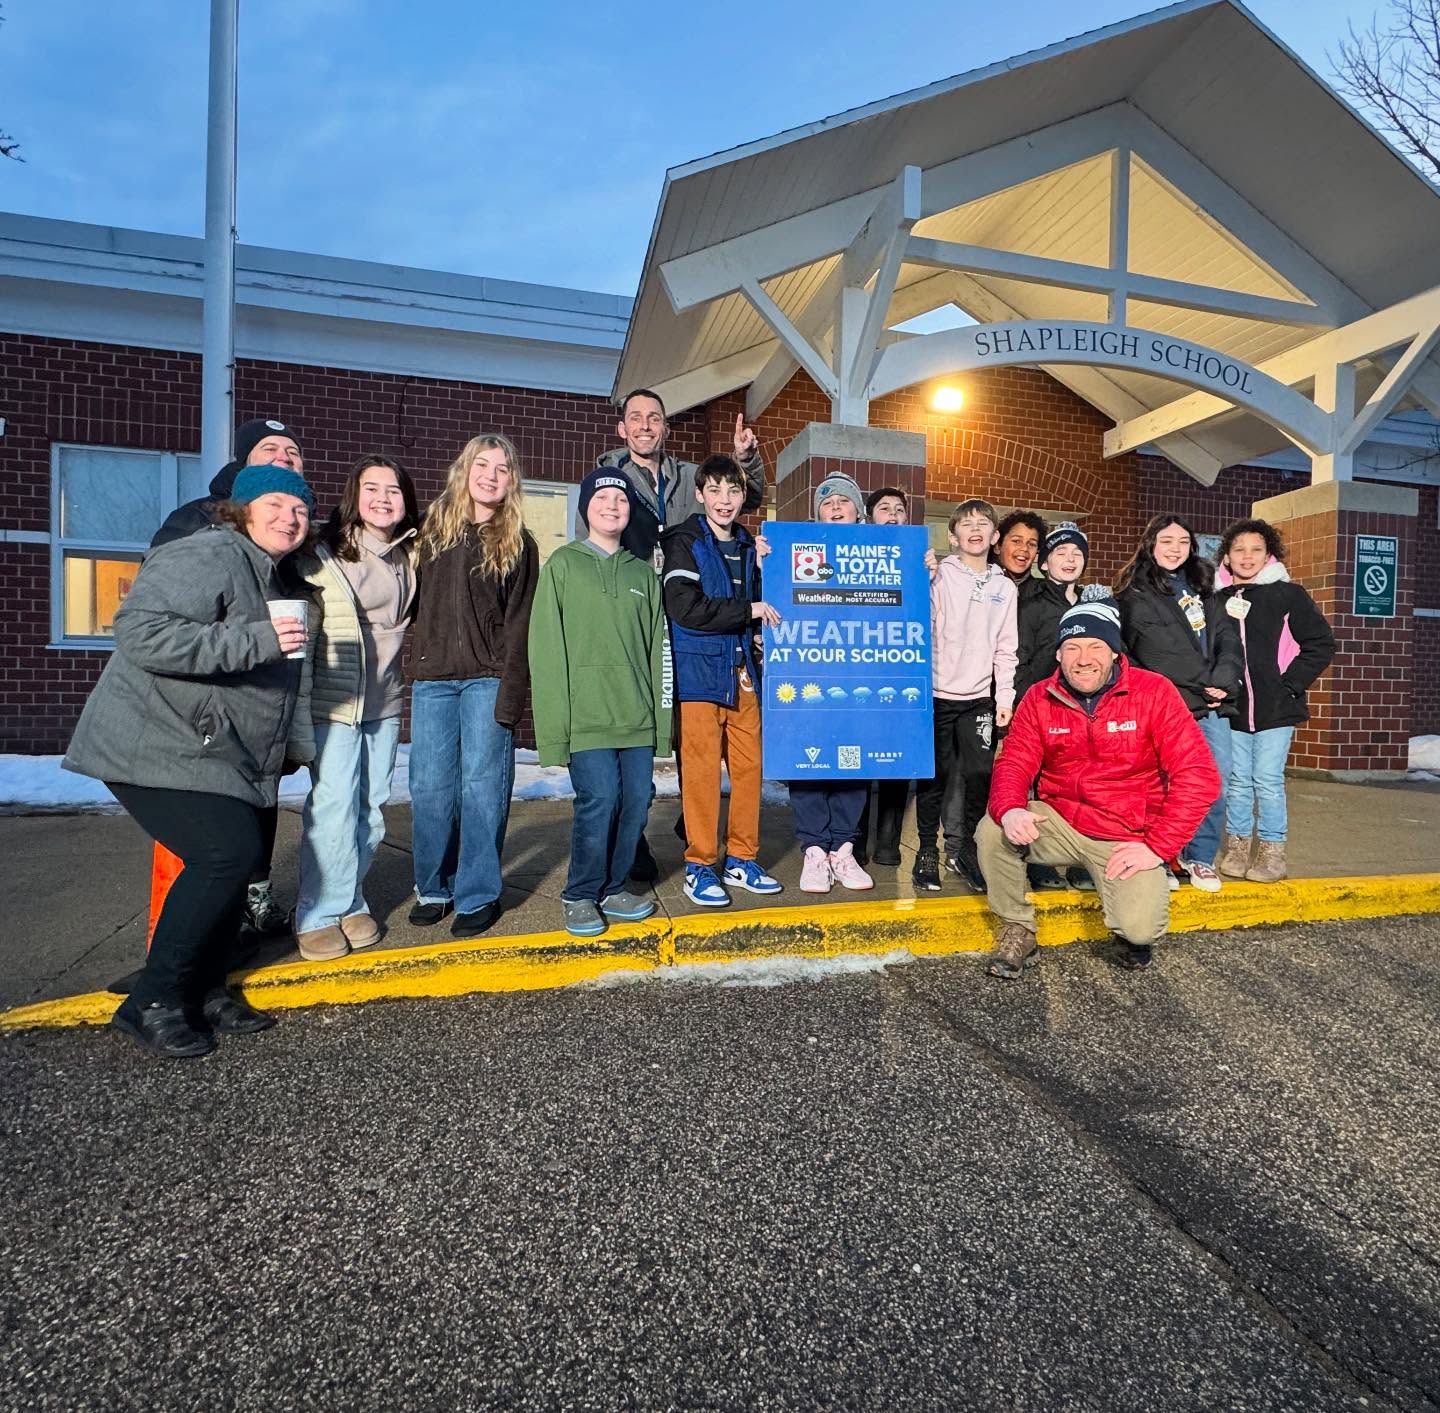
708	735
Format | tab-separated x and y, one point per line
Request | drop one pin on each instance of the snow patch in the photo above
38	783
1424	758
760	972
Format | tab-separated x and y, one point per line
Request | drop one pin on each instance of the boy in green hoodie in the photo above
600	694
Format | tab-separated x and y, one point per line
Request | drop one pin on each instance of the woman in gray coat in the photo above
191	727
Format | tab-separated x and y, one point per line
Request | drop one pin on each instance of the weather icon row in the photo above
786	693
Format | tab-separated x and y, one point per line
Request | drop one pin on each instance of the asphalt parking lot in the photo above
1209	1186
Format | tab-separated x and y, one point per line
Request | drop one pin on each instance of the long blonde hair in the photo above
502	536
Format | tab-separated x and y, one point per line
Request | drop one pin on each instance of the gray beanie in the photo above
839	484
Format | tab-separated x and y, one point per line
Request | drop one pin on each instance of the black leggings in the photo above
954	799
222	841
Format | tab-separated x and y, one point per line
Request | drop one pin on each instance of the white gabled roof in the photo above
1247	173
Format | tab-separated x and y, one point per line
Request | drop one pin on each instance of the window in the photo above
550	510
105	504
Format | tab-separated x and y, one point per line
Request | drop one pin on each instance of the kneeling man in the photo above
1122	776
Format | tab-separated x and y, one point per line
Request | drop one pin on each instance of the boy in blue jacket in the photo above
712	599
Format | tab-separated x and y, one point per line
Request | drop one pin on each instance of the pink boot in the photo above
848	873
815	874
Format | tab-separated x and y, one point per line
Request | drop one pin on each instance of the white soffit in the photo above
1245	163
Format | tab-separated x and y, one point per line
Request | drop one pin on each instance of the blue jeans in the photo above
827	812
1257	778
462	769
612	799
1206	843
344	825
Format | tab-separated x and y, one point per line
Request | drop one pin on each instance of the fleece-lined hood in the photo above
1273	573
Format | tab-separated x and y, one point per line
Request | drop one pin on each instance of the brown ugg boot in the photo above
1235	856
1269	865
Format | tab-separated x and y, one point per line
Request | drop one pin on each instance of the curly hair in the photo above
1142	572
1274	545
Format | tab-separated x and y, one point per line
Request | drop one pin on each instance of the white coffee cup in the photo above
290	608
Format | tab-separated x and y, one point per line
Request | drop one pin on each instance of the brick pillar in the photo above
1360	710
872	456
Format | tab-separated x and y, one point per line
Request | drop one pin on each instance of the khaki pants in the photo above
1137	908
708	734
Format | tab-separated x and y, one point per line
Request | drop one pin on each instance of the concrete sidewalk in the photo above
76	894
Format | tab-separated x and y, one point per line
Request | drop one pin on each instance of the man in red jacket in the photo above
1122	777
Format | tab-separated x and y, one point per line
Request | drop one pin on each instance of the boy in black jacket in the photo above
712	599
1063	557
1062	561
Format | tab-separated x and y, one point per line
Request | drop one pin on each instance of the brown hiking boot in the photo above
1235	856
1014	951
1269	865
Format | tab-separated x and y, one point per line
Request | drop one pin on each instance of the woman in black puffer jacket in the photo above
1286	644
1174	624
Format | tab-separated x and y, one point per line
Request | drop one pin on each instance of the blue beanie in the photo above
1067	532
1097	615
256	481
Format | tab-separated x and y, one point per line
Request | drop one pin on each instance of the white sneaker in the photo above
848	873
815	875
1202	876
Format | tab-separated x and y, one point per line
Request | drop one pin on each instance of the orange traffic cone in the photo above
165	868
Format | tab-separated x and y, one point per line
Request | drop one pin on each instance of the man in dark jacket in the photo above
263	441
1121	775
665	493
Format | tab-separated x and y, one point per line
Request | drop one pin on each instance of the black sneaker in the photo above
229	1014
428	914
263	915
1134	956
162	1030
926	873
1078	877
965	861
473	924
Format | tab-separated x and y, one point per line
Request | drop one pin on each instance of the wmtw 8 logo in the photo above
808	565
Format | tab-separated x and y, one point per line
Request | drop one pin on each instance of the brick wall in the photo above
1022	439
61	391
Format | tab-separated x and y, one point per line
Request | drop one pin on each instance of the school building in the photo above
1161	267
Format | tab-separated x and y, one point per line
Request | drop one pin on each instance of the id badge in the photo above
1237	606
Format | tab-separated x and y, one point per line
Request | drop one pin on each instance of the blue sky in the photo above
525	141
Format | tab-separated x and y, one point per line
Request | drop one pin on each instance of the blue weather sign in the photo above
847	670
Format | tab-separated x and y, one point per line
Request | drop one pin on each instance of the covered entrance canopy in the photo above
1174	217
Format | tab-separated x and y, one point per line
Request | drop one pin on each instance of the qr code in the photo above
849	757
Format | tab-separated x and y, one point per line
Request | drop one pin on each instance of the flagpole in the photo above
217	395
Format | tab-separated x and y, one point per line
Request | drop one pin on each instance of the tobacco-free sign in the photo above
1377	567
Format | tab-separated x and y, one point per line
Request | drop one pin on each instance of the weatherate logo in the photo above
808	564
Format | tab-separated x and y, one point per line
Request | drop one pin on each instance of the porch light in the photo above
947	399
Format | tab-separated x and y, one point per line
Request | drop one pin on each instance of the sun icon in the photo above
785	692
810	692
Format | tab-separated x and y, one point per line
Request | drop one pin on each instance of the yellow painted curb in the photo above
925	927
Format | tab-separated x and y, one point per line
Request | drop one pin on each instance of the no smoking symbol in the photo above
1376	580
